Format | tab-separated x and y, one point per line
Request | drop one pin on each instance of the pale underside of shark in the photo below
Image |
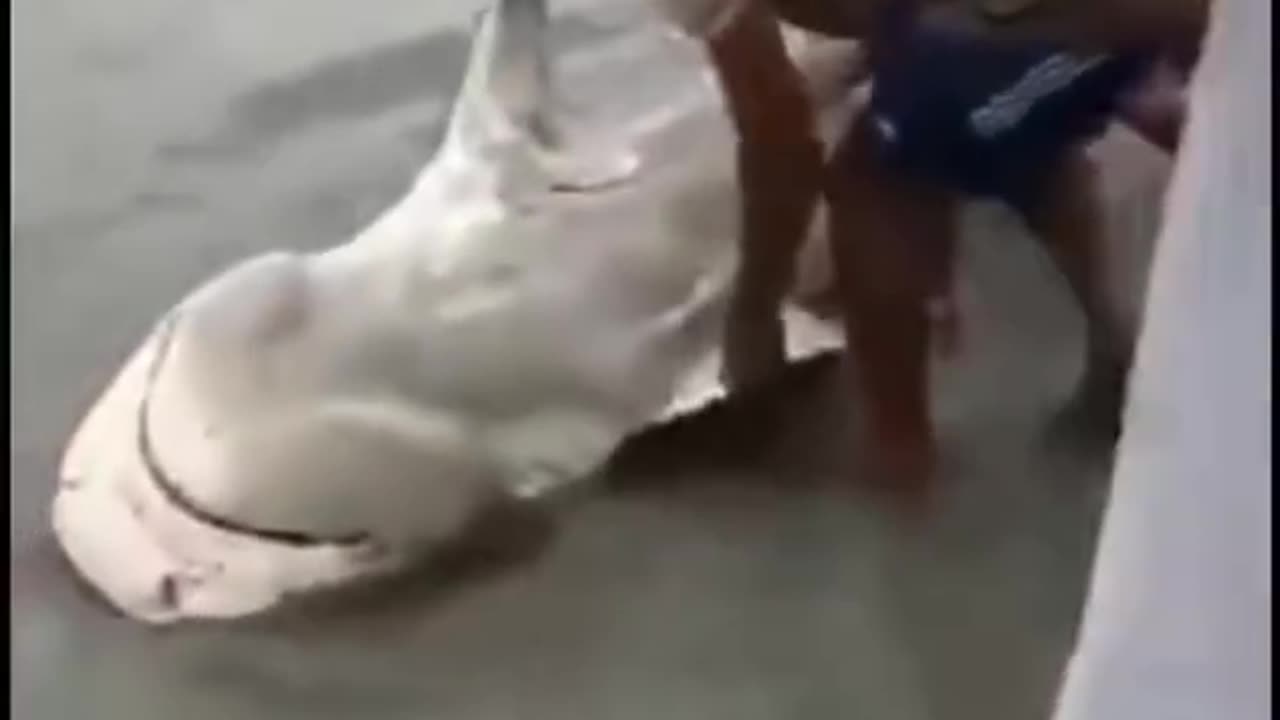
542	292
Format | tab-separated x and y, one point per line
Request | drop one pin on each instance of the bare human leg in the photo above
1069	221
890	239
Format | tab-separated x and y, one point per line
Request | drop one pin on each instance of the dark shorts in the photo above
990	120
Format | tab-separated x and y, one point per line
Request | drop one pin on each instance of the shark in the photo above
547	287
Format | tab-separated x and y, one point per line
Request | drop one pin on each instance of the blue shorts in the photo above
985	119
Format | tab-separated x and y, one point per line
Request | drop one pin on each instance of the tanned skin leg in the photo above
890	237
1069	221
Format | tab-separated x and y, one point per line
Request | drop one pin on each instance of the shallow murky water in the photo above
157	141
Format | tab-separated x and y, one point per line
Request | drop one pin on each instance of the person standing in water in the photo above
953	113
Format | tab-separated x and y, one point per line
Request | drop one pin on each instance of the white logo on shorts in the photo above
1008	108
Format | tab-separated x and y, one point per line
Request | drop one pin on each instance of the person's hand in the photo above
1156	110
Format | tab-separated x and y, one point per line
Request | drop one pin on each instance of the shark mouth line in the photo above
163	481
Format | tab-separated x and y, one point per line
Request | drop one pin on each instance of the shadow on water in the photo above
744	432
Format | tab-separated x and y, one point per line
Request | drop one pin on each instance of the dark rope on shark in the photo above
179	498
